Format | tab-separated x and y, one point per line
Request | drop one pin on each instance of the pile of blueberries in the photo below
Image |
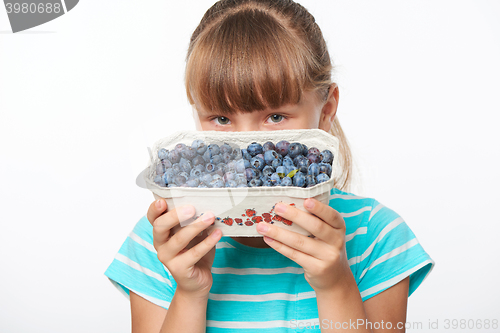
213	166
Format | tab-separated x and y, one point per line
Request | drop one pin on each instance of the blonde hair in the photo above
250	55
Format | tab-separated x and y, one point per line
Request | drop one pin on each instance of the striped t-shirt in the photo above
258	288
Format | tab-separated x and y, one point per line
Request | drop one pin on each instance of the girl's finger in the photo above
156	208
193	255
325	212
163	224
302	259
317	227
304	244
184	236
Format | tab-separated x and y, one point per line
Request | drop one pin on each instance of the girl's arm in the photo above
185	314
385	312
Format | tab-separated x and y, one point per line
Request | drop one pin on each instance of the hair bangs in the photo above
247	61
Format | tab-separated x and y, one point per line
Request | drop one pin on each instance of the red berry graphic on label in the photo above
228	221
287	222
248	223
257	219
267	217
239	221
250	212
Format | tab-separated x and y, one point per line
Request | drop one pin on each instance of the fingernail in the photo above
280	208
262	227
158	203
268	240
309	203
215	233
188	210
207	217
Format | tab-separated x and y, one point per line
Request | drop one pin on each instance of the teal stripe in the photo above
249	311
247	284
138	281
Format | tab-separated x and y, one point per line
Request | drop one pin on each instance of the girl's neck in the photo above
251	241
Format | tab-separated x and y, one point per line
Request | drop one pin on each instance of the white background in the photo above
83	96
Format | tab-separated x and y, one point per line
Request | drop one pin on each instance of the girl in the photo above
258	65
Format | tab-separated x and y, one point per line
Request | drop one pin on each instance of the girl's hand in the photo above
187	255
323	257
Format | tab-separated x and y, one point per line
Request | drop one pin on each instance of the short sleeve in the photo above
136	267
389	253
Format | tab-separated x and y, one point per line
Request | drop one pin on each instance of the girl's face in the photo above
309	113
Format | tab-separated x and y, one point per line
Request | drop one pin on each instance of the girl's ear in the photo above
329	109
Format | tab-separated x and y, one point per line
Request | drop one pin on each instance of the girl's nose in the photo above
247	126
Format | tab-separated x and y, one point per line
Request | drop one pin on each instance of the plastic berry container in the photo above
238	209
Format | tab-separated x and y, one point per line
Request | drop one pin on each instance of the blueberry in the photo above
241	179
310	181
193	182
199	146
268	171
225	148
288	162
217	183
322	177
257	163
247	163
302	163
226	157
216	176
188	153
255	182
254	148
185	165
206	178
266	181
313	169
176	167
276	179
287	181
180	179
207	156
325	168
240	166
159	181
172	185
202	185
160	169
313	158
231	183
167	164
162	154
270	156
277	162
198	160
236	154
216	159
295	150
229	176
313	150
174	156
195	173
246	155
282	147
210	167
281	171
214	149
299	179
251	173
268	146
304	150
289	169
220	169
326	156
178	147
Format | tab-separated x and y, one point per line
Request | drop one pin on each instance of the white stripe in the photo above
396	279
136	266
262	298
375	211
389	227
359	231
346	197
222	245
264	324
261	271
391	254
154	300
142	242
359	211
